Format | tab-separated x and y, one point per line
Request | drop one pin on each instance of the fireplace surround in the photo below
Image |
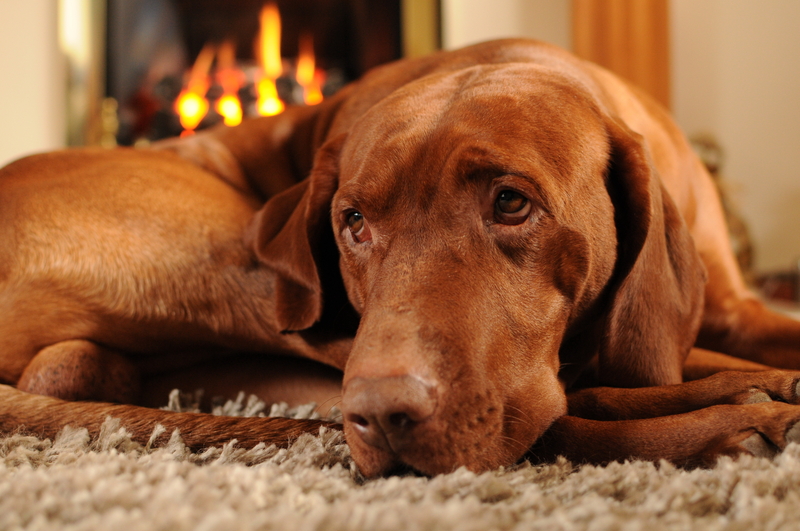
134	56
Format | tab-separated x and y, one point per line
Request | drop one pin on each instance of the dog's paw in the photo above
793	433
766	386
759	446
753	396
776	425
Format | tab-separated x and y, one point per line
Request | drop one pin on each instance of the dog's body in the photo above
504	217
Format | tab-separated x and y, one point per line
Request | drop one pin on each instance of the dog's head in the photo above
496	229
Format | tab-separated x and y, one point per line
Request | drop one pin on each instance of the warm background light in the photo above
268	103
270	36
307	76
230	78
192	105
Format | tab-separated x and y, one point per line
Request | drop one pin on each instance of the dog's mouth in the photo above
427	454
421	431
421	396
408	422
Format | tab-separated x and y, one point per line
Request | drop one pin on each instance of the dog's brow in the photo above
348	198
474	163
480	164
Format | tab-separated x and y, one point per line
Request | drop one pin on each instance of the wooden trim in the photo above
82	40
421	27
629	37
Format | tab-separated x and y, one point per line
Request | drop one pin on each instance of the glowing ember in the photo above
230	108
191	108
268	103
230	79
192	105
307	76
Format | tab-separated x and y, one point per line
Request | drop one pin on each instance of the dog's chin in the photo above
430	458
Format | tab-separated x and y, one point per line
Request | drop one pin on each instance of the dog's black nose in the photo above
384	411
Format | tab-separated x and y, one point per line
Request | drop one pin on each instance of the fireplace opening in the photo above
174	67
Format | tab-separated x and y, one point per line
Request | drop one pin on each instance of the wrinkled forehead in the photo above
517	117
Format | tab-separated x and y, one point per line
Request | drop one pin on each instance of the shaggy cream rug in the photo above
111	483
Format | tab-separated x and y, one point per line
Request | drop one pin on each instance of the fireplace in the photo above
173	67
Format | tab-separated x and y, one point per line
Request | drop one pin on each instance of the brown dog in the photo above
507	222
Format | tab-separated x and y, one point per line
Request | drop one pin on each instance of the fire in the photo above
230	79
270	40
307	76
230	108
192	105
191	108
268	103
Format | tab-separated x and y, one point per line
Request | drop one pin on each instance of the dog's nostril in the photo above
401	421
386	412
358	419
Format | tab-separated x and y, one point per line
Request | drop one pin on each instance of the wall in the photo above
32	95
736	75
470	21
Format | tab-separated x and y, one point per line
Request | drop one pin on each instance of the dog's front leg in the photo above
689	424
728	387
692	439
45	416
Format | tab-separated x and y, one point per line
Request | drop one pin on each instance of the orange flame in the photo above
229	106
268	103
307	76
231	79
192	104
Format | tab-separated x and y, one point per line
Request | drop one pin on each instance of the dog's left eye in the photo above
511	208
358	226
355	221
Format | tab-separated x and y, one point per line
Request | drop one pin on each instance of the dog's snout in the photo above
384	411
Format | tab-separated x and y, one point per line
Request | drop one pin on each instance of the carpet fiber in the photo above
113	483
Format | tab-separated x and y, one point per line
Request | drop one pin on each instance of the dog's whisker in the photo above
337	400
522	417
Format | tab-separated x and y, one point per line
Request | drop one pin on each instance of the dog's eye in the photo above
355	221
358	226
510	202
511	208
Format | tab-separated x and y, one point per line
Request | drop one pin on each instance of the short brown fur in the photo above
364	234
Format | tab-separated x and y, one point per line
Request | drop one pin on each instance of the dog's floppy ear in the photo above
656	297
286	236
